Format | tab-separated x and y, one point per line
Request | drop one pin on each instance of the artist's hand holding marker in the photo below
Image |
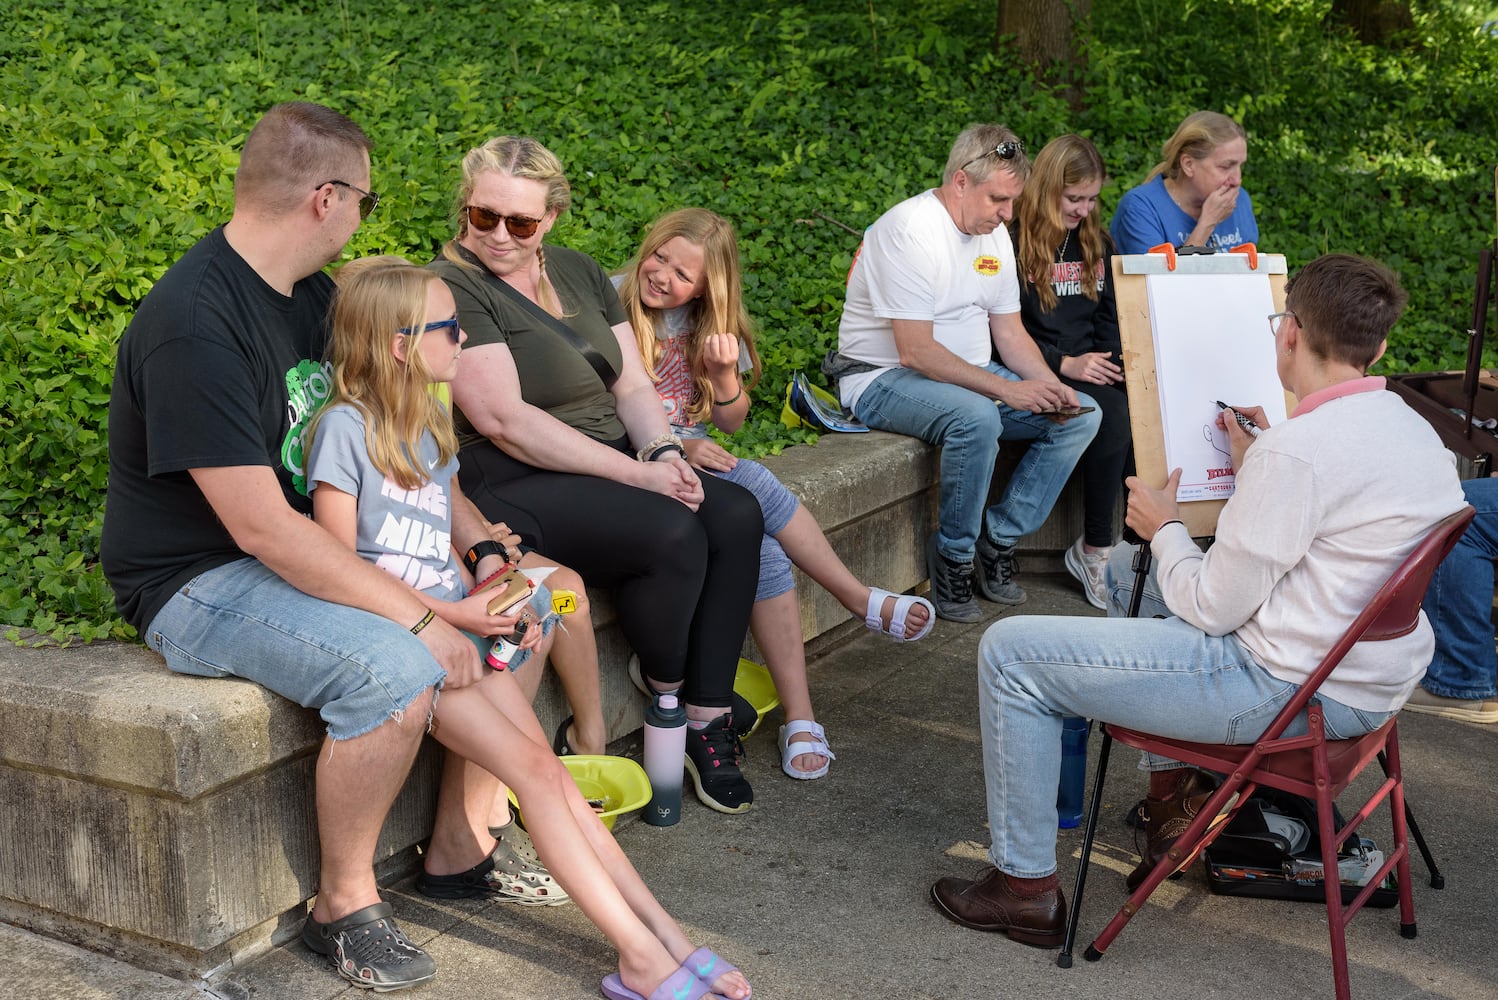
1150	508
1241	424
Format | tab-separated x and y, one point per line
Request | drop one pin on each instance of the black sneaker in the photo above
951	586
745	715
714	756
369	950
996	568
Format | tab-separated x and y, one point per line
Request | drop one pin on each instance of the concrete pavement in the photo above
822	889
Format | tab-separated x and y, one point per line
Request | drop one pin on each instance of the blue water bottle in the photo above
665	759
1073	785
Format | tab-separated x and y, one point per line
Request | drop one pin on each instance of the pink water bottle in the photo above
665	759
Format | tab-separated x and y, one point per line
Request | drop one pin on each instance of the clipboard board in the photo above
1136	334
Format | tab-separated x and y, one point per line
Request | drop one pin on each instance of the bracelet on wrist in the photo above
426	620
1174	520
666	449
730	402
648	452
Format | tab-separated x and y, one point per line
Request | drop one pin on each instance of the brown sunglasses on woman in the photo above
483	220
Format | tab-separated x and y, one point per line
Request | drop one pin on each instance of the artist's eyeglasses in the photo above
1275	319
519	226
367	199
1006	150
451	325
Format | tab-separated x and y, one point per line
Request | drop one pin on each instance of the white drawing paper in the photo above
1212	341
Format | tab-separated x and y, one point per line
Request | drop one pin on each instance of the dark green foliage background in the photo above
119	126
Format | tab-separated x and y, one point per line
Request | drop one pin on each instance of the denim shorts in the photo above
356	668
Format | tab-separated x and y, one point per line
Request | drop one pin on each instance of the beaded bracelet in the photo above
426	620
730	402
646	453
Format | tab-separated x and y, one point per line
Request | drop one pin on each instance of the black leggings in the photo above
1105	463
683	583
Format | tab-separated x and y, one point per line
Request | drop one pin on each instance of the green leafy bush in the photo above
800	121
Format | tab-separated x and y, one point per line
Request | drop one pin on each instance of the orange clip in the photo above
1252	252
1169	250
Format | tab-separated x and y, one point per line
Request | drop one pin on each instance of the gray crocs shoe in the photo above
369	950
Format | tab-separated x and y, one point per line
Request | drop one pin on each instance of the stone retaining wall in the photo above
168	820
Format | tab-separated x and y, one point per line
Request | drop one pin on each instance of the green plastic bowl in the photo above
618	781
753	683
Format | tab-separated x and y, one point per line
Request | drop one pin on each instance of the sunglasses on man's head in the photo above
367	199
451	326
483	220
1006	150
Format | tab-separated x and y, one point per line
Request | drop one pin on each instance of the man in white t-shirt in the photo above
933	299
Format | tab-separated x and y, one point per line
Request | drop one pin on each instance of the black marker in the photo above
1243	421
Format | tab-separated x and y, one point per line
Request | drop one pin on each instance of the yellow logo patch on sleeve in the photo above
986	264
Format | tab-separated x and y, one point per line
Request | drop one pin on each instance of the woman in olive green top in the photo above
563	438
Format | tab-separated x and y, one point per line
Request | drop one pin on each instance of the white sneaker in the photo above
1088	568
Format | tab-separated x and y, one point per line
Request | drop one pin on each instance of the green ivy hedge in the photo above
119	126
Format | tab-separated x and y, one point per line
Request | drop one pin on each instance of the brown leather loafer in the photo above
989	905
1166	819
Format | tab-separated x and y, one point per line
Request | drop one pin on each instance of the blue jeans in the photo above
1459	604
968	427
242	620
778	504
1159	675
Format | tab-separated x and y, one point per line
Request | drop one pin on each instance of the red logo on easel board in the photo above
987	264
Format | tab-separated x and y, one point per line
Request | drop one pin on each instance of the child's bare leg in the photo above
574	656
606	850
776	625
470	722
528	677
804	542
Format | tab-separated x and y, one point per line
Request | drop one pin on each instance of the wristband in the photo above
664	449
478	550
648	452
426	620
730	402
1174	520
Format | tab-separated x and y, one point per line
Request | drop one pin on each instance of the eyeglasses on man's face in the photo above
367	199
450	325
1006	150
1275	319
483	220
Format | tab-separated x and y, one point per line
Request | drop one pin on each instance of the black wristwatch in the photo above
478	550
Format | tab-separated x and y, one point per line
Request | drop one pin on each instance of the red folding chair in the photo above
1311	766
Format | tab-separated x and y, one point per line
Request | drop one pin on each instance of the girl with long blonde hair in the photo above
683	294
382	474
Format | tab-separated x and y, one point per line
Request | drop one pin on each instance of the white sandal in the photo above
816	745
903	603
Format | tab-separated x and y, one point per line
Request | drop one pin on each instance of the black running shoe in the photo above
714	755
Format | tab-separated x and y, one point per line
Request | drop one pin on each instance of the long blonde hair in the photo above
515	156
720	309
376	297
1065	160
1198	134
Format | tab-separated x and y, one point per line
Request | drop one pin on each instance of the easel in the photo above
1136	333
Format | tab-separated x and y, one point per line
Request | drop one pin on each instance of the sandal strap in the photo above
817	744
874	619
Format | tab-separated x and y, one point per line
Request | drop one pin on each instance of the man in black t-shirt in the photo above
207	542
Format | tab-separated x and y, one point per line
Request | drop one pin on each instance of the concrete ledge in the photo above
168	820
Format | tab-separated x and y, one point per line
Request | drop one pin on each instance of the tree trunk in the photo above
1045	30
1374	22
